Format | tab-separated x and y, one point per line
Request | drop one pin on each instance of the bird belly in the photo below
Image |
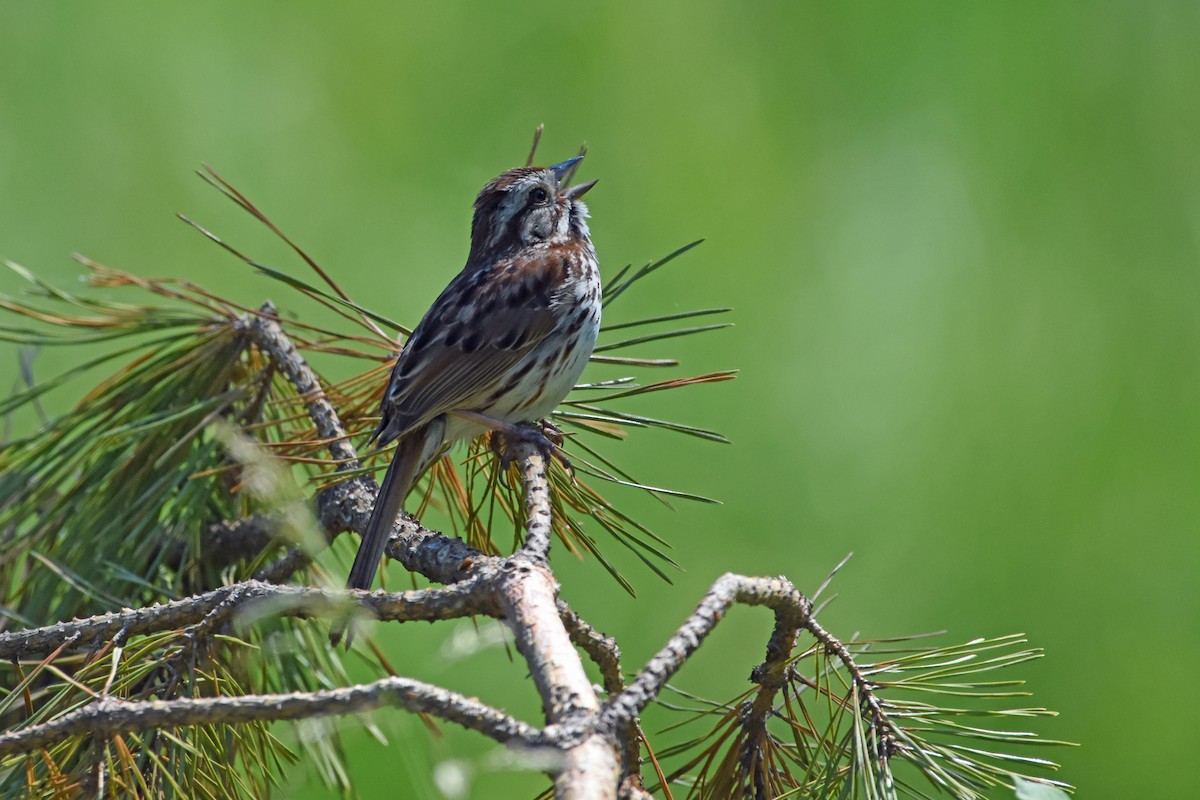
557	364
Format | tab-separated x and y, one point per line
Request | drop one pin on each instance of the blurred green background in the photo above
961	240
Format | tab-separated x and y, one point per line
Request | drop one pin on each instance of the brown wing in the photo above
477	331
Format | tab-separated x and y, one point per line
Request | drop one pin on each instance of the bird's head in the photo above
526	206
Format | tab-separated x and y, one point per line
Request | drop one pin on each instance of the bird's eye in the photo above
539	195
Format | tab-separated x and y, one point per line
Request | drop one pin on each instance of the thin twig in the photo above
603	650
537	138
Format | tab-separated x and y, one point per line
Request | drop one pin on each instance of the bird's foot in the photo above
544	435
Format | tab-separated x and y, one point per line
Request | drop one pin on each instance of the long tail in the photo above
413	455
397	483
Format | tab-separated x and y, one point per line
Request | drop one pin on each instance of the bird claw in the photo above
554	435
545	436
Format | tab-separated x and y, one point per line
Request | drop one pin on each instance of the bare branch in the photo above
606	655
528	595
346	506
269	336
603	650
528	599
791	609
108	716
537	502
297	601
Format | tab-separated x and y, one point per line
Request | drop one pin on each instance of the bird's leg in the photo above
544	435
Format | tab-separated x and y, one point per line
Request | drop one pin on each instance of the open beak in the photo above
561	170
578	190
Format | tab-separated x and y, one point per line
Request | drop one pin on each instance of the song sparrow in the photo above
503	344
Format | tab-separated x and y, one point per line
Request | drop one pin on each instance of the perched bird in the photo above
503	344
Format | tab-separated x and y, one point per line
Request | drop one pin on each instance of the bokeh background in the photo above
961	240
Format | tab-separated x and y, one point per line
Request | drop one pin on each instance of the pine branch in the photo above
603	650
269	336
108	716
424	605
346	506
606	655
598	744
792	611
536	488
